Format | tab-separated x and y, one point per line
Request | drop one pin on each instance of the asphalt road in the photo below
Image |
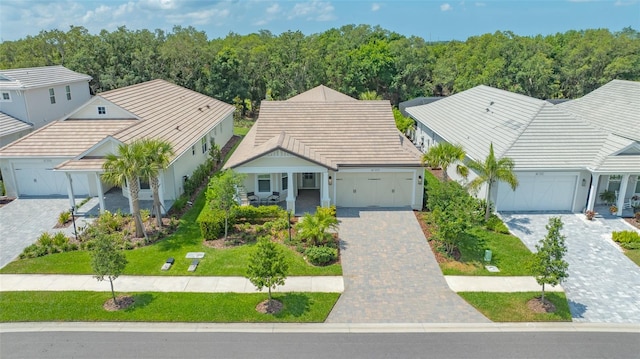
318	345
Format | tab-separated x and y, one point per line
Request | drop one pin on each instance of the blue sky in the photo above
431	20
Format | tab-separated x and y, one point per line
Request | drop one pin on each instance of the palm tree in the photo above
158	153
490	171
370	95
125	167
443	155
315	228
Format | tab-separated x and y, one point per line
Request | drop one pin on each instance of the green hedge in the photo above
211	221
627	239
321	255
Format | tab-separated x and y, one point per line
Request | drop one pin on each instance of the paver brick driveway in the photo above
390	273
603	284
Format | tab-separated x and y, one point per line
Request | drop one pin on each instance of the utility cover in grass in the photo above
492	269
194	255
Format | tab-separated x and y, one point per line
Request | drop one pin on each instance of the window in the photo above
637	186
52	96
102	110
144	184
203	142
193	150
68	91
285	181
6	96
614	182
264	183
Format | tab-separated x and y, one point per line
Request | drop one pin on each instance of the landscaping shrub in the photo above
321	255
253	214
2	192
64	217
496	225
48	244
627	239
198	177
211	223
180	203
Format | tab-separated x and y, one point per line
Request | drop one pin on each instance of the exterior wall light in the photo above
330	181
584	182
419	179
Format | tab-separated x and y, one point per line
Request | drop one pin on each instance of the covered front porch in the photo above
623	188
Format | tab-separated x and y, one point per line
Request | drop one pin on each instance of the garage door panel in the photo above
46	182
538	193
377	189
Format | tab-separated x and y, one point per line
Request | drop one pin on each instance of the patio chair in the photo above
274	198
253	199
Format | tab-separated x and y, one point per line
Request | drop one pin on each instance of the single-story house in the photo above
66	157
565	154
347	151
32	97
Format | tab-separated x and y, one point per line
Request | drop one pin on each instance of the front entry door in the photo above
308	180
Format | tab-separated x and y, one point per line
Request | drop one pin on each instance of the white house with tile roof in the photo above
346	150
66	157
31	98
565	154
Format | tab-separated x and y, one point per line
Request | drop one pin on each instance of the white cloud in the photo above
375	7
159	4
446	7
201	17
273	9
625	3
313	10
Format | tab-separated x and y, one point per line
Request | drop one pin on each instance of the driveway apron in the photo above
24	219
603	284
391	275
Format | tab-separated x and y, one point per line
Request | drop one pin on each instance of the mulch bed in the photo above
633	222
265	307
4	200
537	306
124	302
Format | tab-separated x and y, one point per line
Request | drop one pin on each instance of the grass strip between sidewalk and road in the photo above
164	307
512	307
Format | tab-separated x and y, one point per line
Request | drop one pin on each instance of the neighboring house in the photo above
347	151
66	157
565	154
33	97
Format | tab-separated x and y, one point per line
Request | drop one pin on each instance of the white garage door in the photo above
45	182
543	192
379	189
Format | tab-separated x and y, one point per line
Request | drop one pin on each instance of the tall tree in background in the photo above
490	171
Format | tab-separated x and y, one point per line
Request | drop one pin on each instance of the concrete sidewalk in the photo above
195	284
497	284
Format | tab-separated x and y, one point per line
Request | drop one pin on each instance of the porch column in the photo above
291	198
324	193
100	192
621	194
595	178
72	199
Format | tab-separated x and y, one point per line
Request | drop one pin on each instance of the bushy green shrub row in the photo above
198	177
321	255
627	239
48	243
495	224
211	221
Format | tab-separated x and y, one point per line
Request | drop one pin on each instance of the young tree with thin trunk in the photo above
267	266
443	155
125	168
158	153
107	260
222	194
491	171
549	264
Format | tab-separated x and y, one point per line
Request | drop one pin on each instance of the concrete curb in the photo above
316	327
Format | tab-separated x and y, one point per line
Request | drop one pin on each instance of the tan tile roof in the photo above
10	124
33	77
84	164
64	138
321	94
333	134
165	111
169	112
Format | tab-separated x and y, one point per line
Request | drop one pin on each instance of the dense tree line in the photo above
245	69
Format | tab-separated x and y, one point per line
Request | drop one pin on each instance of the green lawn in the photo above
163	307
512	307
240	131
510	255
148	260
634	255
